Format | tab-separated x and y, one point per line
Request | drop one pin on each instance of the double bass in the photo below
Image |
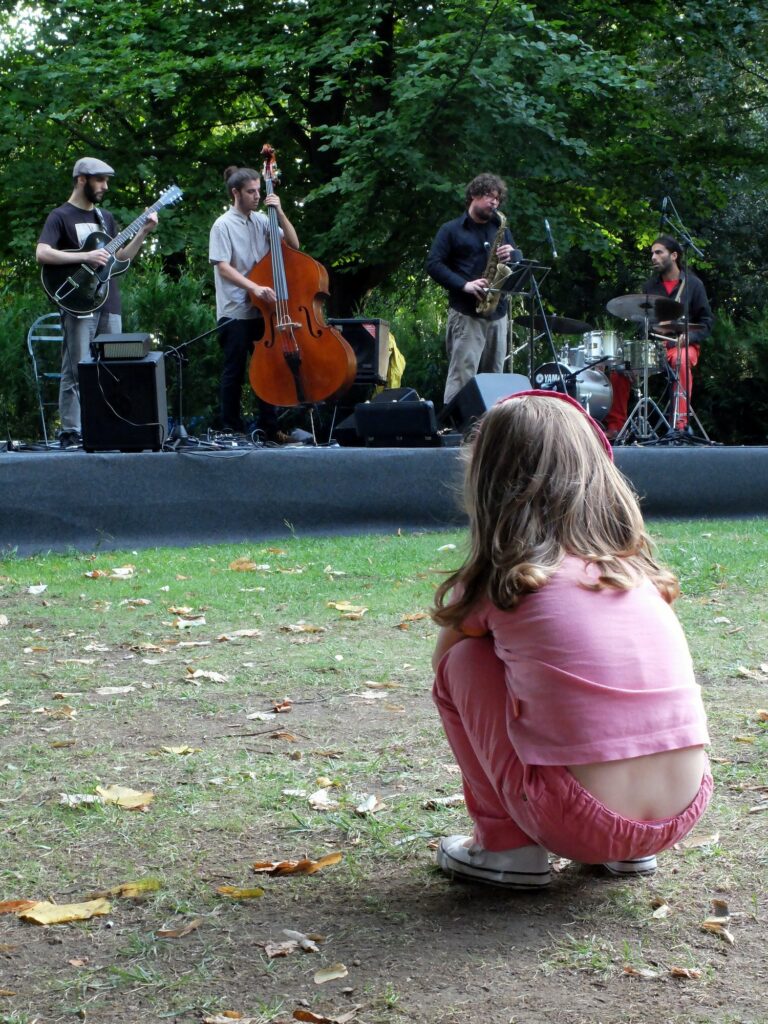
300	359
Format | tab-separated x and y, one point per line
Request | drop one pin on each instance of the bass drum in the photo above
590	388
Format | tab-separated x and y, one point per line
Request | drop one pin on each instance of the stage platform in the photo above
59	500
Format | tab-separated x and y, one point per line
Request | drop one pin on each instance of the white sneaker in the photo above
524	868
638	866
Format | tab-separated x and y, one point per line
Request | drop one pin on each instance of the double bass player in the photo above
239	239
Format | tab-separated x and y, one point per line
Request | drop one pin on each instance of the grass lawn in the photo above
271	702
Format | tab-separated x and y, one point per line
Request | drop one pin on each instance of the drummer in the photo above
671	279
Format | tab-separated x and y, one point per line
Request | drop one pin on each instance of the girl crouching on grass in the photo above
563	678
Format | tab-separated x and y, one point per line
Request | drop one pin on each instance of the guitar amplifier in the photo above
120	346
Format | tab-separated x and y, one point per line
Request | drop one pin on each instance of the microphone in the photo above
663	217
551	240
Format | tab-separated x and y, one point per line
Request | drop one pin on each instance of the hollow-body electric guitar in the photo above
83	288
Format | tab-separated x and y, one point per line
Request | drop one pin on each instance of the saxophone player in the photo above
464	258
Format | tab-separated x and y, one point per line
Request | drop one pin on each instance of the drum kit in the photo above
582	370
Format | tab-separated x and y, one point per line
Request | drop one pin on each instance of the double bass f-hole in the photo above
300	359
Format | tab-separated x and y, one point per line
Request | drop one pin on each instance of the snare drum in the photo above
590	388
602	345
641	355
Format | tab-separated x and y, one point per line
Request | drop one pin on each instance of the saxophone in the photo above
495	273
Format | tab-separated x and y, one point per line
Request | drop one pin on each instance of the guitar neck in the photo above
133	229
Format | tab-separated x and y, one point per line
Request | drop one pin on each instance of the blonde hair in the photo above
539	485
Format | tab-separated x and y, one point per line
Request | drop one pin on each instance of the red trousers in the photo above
681	392
513	804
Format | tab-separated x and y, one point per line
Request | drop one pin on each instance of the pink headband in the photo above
571	401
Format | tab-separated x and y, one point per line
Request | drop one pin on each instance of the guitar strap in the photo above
100	219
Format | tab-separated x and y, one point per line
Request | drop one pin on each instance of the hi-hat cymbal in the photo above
561	325
675	327
644	307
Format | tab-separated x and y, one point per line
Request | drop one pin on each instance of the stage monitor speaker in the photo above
405	424
395	395
369	339
478	395
123	404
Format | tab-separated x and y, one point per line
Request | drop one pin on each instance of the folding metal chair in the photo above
44	341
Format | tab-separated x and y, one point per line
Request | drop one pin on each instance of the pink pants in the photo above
513	804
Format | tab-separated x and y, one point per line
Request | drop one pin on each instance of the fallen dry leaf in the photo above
718	929
684	972
63	913
178	933
128	799
437	803
348	609
302	627
282	707
244	565
662	911
14	906
135	890
307	943
320	800
640	972
330	973
305	866
718	921
182	623
275	949
229	1015
320	1018
196	674
694	842
761	715
370	805
750	673
235	893
281	734
223	637
109	691
121	572
78	799
181	750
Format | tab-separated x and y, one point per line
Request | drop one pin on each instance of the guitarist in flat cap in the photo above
70	263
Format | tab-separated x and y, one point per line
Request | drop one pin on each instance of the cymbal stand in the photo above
639	427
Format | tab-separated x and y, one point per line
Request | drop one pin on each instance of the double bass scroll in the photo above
300	359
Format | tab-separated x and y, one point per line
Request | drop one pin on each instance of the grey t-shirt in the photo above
240	241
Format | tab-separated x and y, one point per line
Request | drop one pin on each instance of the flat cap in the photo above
90	165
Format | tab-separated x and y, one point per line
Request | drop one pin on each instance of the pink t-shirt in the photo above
593	676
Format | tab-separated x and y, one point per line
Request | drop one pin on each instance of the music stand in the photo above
525	279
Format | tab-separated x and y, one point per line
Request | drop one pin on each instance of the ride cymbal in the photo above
644	307
561	325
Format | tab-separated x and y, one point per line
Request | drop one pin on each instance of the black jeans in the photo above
237	339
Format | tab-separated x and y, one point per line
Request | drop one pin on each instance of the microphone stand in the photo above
179	437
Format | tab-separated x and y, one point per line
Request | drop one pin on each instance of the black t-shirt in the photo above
67	227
